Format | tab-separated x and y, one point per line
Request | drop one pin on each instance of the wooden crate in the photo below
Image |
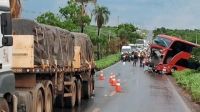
23	51
77	57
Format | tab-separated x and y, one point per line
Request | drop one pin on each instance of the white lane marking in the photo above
96	110
179	97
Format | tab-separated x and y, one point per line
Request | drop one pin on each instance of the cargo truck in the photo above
52	66
42	65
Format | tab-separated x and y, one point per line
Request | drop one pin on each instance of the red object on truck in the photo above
170	53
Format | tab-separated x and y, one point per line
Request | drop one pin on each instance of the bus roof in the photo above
173	38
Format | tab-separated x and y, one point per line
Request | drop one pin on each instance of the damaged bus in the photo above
169	53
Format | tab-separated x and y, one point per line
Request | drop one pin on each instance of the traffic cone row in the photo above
113	81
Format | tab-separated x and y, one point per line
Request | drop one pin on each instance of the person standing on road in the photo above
135	58
141	59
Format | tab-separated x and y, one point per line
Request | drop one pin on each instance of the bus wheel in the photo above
173	69
39	102
3	105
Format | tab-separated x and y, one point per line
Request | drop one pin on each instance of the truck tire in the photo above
3	105
79	92
39	102
59	101
92	85
86	88
71	101
49	100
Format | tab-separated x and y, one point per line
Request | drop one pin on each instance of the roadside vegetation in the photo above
75	17
187	34
190	81
107	61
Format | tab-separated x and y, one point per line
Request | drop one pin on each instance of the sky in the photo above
147	14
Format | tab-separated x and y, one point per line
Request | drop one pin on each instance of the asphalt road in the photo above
142	92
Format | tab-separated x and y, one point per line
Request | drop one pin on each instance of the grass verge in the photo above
190	81
107	61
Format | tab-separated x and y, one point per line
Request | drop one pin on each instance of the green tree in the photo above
128	26
74	13
101	14
127	33
49	18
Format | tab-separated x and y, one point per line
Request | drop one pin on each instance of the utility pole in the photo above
196	38
117	20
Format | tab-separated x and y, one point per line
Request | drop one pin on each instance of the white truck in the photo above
7	79
42	66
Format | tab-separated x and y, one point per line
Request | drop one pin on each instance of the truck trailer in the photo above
52	66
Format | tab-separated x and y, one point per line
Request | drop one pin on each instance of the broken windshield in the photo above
162	41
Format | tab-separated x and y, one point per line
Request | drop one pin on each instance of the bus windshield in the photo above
162	41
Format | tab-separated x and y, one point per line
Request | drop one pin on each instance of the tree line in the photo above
106	39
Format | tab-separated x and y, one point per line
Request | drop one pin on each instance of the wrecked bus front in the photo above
174	53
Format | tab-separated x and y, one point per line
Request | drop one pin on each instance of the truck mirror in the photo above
7	41
6	24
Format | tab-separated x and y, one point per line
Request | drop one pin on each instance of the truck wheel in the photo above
4	106
92	86
79	92
39	101
49	101
70	101
86	89
59	101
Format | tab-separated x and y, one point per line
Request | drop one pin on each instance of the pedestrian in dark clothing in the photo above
135	58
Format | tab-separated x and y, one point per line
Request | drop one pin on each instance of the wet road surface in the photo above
142	92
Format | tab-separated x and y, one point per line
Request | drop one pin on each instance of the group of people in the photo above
138	56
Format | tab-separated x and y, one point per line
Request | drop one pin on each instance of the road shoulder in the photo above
185	96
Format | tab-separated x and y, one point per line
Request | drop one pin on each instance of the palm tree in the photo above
101	14
83	5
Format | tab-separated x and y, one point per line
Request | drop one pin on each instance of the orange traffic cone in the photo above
114	82
110	79
101	76
118	88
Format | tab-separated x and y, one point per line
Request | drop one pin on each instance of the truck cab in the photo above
7	79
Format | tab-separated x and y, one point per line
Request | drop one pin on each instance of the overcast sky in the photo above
148	14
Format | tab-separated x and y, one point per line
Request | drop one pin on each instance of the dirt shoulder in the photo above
185	95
